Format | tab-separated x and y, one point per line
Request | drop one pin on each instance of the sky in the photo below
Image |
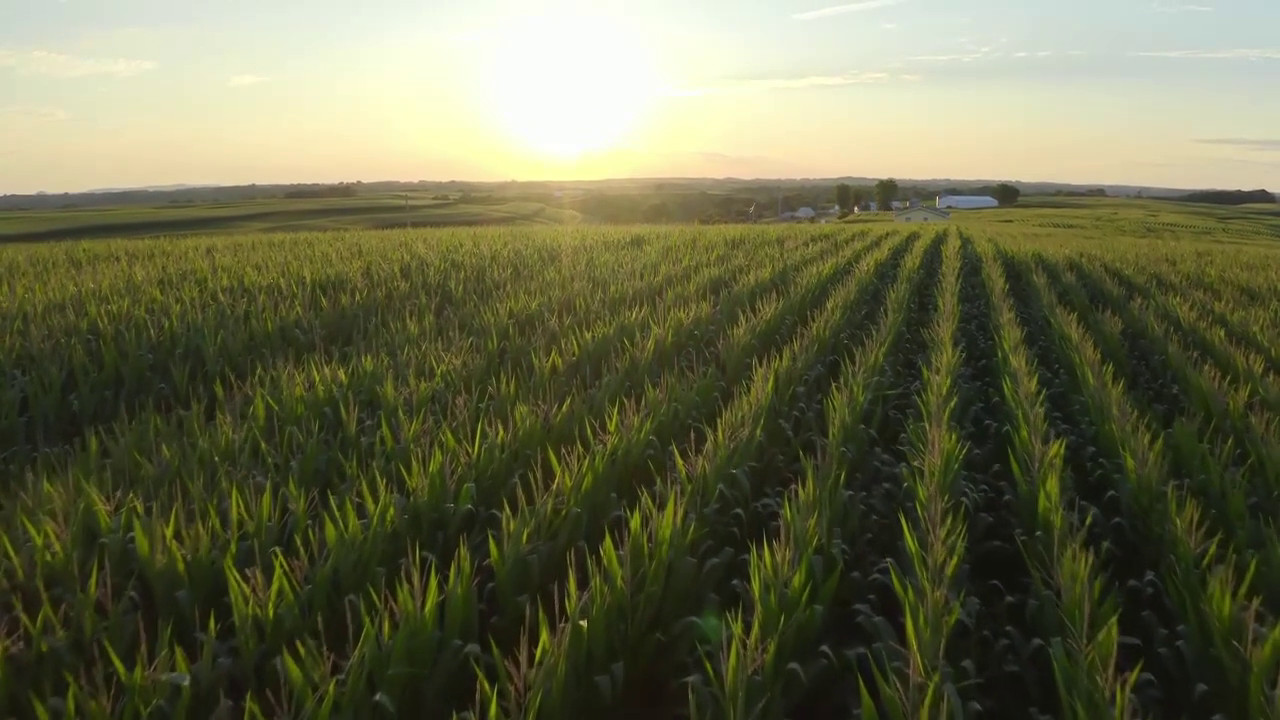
120	93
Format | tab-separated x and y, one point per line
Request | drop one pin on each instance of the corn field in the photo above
744	473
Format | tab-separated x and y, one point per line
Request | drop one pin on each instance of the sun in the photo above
565	85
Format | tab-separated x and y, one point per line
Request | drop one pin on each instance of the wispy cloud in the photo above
1166	7
33	112
844	9
52	64
970	52
798	83
1235	53
955	57
243	80
889	25
1272	144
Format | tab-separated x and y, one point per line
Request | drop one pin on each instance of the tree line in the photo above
1228	197
886	191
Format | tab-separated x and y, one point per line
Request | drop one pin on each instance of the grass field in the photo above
276	215
1023	465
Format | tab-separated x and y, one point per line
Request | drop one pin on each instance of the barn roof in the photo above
931	211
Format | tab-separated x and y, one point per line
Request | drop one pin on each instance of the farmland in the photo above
1023	465
375	211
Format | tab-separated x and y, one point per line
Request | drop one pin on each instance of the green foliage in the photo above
857	197
844	196
886	192
323	191
1006	194
1000	469
1229	197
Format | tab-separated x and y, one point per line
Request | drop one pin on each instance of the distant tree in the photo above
342	190
844	196
1228	197
858	197
793	201
1007	194
886	193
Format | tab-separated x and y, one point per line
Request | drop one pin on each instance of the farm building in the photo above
805	213
967	202
873	206
921	214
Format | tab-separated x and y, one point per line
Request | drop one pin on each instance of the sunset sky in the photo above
149	92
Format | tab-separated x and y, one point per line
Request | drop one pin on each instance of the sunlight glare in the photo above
565	85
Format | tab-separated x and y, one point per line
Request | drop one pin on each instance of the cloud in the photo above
889	26
34	112
844	9
857	78
1232	54
243	80
1272	144
973	52
52	64
1163	7
797	83
958	57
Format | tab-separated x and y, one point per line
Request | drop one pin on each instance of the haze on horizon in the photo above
150	92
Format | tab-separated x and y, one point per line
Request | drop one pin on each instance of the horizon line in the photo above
180	186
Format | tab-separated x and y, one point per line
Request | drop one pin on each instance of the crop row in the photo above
720	473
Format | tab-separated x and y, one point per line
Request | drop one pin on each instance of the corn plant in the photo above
740	471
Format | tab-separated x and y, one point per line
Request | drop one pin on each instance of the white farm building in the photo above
967	202
921	214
